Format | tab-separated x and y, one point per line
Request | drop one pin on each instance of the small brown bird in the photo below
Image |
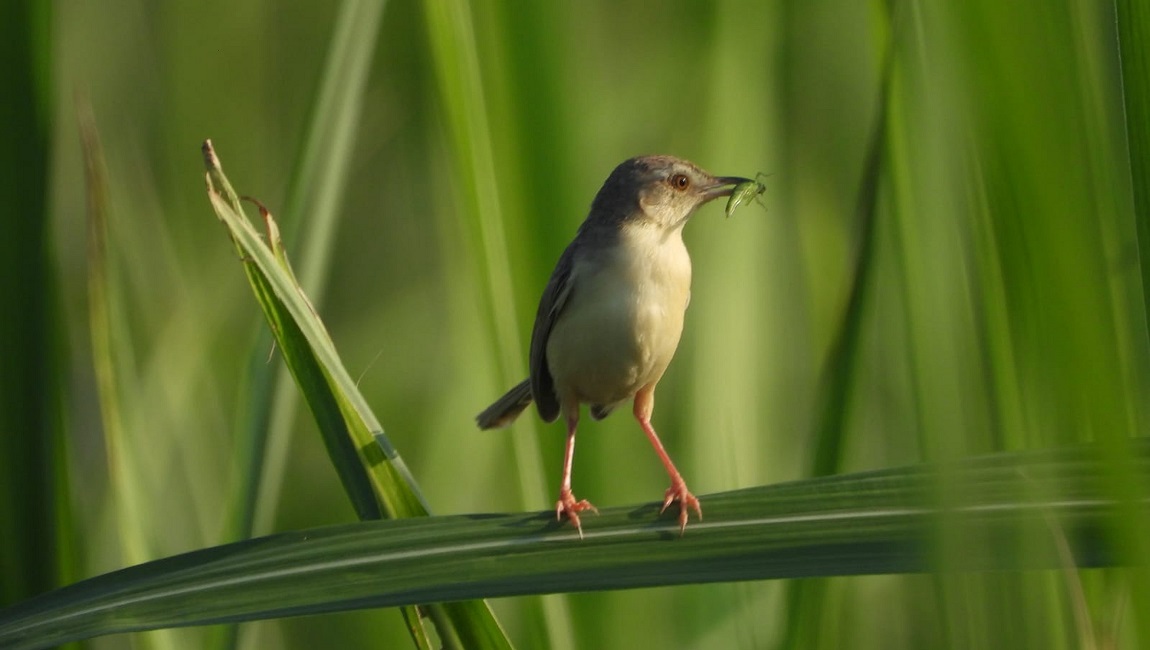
610	318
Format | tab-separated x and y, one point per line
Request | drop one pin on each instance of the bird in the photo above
611	315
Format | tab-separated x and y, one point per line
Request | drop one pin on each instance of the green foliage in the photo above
968	279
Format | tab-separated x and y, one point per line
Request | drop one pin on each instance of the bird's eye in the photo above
680	181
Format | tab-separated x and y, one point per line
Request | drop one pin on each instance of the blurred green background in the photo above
1002	306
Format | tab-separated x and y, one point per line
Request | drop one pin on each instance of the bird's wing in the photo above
550	305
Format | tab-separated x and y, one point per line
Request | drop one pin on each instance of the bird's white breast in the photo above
621	324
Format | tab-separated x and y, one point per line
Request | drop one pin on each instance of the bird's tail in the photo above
505	409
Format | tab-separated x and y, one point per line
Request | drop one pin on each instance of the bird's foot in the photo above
687	501
569	507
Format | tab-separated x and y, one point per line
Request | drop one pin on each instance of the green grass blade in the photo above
462	99
313	382
312	211
34	551
1133	22
373	472
806	598
1134	49
284	304
1012	512
461	91
455	58
842	360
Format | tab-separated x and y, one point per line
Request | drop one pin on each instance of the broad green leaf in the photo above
1009	512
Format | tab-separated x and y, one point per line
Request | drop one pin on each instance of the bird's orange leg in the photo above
567	505
644	405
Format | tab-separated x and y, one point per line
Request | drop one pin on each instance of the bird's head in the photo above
662	190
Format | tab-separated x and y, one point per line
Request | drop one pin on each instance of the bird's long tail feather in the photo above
505	409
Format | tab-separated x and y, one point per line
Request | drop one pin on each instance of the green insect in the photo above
744	192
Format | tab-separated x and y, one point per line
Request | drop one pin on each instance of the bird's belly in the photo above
615	337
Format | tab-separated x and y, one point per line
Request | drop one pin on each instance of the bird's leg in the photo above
567	505
644	405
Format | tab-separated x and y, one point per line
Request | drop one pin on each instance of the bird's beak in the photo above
724	185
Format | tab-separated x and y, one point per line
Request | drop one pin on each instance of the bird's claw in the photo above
569	507
687	501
